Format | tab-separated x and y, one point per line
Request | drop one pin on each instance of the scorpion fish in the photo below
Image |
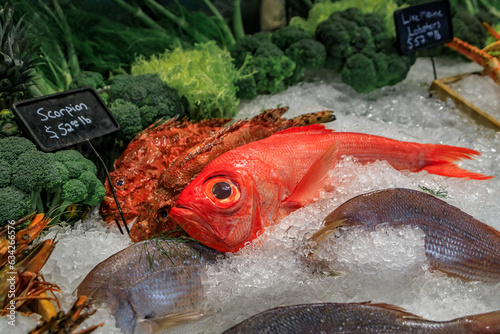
245	190
360	318
147	155
455	242
154	218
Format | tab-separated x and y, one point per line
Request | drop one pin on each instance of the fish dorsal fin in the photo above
404	313
312	180
309	129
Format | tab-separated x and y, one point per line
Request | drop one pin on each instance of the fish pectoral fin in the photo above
155	325
320	235
313	179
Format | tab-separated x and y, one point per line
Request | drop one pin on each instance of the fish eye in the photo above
163	213
222	191
120	183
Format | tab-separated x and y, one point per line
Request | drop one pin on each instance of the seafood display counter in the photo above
308	175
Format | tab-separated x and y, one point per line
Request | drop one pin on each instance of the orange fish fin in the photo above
450	169
442	158
312	180
490	320
309	129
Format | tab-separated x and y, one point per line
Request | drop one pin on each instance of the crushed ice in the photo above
387	265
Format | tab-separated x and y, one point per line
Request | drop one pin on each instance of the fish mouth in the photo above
189	216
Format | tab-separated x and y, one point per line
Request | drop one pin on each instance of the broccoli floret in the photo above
359	46
368	70
247	89
14	204
150	95
73	191
128	116
5	173
130	88
359	72
32	171
286	36
59	175
243	47
307	53
375	23
270	67
87	79
46	182
168	103
97	195
148	115
12	147
344	33
75	163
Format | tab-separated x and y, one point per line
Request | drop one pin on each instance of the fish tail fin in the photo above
441	161
483	323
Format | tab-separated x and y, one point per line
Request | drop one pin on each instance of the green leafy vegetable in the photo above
205	75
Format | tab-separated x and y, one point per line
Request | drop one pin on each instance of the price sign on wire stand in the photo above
423	26
65	119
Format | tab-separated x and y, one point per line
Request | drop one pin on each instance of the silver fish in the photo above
455	242
151	285
359	318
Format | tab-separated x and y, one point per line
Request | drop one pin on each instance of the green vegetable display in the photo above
274	61
47	182
205	75
322	10
359	47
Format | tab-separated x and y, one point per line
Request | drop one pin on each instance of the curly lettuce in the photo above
205	75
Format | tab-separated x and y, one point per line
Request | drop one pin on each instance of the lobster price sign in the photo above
422	26
65	119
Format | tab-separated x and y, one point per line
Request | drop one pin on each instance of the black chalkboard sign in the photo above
64	119
422	26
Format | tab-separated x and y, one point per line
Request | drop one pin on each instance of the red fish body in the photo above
249	188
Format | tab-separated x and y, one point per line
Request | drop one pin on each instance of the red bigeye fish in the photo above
455	242
360	318
253	186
